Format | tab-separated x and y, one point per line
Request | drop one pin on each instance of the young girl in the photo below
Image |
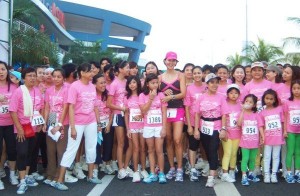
292	131
272	119
134	69
250	124
134	124
231	143
15	77
155	119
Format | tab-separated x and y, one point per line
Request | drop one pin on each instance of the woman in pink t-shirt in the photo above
222	71
6	124
108	72
238	76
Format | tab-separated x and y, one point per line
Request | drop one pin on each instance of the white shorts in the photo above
151	132
136	130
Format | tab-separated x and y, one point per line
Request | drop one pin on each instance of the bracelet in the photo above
173	97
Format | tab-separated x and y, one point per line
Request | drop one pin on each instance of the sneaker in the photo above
22	188
52	183
232	174
274	178
94	180
77	171
267	178
205	171
114	165
227	178
1	185
289	178
2	173
171	174
136	177
151	178
253	178
60	186
37	176
188	168
297	177
220	172
179	176
257	171
30	181
245	181
102	167
129	172
156	170
95	173
122	174
194	175
144	174
69	178
85	167
210	182
13	180
200	164
162	178
47	181
109	170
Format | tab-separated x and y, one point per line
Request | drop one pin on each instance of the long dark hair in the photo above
274	94
152	63
234	69
139	85
254	98
111	73
85	67
120	65
292	84
94	81
149	77
8	76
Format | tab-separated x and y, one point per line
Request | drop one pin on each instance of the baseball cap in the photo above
274	68
171	56
257	64
231	86
49	69
211	76
16	74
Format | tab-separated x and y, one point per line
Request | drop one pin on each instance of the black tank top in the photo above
175	87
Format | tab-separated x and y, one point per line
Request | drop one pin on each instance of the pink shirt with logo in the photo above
292	110
132	103
272	120
233	131
117	89
5	118
193	93
212	106
56	100
283	92
83	96
222	90
104	111
155	107
250	131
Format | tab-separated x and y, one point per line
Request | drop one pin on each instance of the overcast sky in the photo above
206	32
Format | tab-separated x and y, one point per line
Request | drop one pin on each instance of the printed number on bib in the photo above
104	120
207	127
154	117
273	124
295	117
233	119
171	113
133	114
250	130
37	119
4	109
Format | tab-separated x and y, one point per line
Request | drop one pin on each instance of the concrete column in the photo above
4	35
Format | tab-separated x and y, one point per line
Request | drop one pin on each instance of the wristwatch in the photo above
223	128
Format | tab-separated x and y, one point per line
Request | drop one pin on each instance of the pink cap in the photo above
171	56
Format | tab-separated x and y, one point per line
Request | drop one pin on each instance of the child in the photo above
292	131
272	119
251	124
155	119
231	143
15	77
134	125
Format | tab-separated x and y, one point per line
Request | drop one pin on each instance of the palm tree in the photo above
293	57
235	60
25	11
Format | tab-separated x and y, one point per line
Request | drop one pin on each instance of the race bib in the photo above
133	113
37	119
207	127
233	120
171	113
295	117
3	109
104	120
250	130
273	124
154	117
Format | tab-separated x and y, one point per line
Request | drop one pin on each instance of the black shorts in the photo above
118	121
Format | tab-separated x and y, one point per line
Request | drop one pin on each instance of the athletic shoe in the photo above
274	178
151	178
144	174
136	177
194	175
114	165
220	172
102	167
253	178
37	176
227	178
47	181
52	183
257	171
162	178
156	170
210	182
297	177
179	176
109	170
22	188
200	164
30	181
267	178
205	171
1	185
129	172
77	171
245	181
2	173
69	178
122	174
60	186
289	178
13	180
94	180
171	174
85	166
95	173
187	168
232	174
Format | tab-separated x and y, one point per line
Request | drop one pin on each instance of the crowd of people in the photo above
101	117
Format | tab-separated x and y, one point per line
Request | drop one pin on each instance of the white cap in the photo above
211	76
233	86
257	64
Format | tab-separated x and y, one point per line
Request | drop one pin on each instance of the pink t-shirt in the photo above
56	100
283	92
292	110
233	131
134	109
104	111
117	89
84	99
212	106
5	118
16	103
153	118
250	131
193	93
272	120
222	90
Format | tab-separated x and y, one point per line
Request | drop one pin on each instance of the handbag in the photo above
28	130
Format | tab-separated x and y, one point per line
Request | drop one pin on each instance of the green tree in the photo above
25	10
235	60
293	57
